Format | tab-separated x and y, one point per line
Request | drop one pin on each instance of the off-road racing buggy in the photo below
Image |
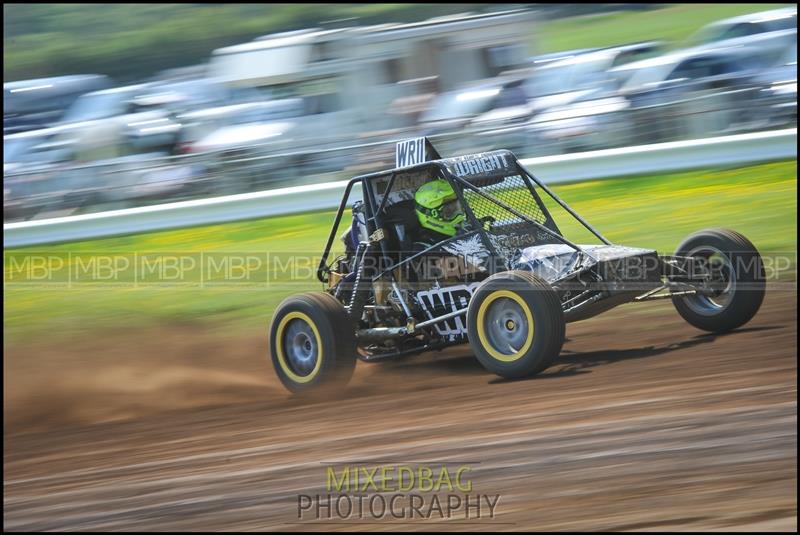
507	283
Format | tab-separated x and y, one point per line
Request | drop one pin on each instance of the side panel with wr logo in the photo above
443	300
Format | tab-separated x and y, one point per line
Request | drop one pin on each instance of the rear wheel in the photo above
312	342
515	324
734	283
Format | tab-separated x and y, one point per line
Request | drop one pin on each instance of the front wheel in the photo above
515	324
312	342
733	283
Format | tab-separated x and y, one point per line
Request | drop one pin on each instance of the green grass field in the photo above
648	211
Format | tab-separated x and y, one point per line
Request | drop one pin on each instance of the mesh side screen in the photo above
509	232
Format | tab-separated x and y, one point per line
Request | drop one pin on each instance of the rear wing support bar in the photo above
564	205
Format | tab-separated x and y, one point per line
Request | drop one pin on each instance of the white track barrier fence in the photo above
663	157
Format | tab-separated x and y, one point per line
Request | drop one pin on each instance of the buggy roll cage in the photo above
375	211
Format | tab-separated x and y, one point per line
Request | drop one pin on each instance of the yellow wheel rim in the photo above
510	324
279	347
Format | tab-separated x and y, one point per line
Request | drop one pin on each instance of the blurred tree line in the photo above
132	42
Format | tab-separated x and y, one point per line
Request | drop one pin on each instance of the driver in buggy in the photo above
437	210
437	215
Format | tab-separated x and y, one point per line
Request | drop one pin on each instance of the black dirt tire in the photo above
298	363
499	331
745	270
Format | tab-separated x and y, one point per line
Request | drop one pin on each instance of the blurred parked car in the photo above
576	76
32	104
583	75
51	190
453	110
24	150
110	123
658	100
195	94
264	142
720	31
102	128
225	127
555	56
104	104
770	33
777	100
681	73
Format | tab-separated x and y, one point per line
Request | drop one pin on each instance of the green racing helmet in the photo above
438	208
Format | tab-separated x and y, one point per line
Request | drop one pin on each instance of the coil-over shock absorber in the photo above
359	296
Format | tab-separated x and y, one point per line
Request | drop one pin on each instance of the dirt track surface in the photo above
644	423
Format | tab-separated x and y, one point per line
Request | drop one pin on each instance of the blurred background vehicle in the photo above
727	75
104	104
113	123
717	33
26	149
699	91
195	93
555	56
316	104
484	101
32	104
220	127
777	96
582	74
559	81
350	76
548	88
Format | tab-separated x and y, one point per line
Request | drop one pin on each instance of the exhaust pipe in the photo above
379	334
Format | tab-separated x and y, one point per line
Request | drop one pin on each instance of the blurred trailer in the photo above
349	77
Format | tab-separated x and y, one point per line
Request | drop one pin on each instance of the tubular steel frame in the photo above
375	213
375	210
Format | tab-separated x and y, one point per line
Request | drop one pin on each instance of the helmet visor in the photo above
451	209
